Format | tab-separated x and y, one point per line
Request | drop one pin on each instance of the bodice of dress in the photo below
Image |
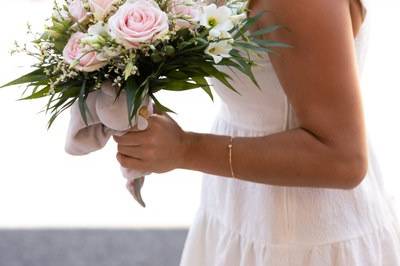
300	214
268	109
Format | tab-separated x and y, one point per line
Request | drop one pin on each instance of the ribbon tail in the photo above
135	187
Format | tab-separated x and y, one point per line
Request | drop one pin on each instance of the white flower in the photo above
219	50
99	28
217	18
237	19
97	38
219	35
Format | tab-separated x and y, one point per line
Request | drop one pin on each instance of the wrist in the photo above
189	140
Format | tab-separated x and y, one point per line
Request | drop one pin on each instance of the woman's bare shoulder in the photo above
320	73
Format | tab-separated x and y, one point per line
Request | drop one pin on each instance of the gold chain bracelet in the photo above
230	145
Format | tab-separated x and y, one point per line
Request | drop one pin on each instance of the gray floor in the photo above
91	247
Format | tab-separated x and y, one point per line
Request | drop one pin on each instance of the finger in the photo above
131	151
163	115
135	128
167	115
129	162
131	138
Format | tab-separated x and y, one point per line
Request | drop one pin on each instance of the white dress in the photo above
241	223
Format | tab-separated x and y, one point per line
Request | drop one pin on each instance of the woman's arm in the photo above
320	78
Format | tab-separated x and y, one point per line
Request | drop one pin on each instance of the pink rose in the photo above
186	11
100	8
138	22
73	52
77	11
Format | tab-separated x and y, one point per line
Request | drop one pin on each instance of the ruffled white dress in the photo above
241	223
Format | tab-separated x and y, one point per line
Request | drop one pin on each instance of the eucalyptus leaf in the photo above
250	21
267	30
250	46
271	43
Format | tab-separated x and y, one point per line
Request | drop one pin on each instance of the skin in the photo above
329	147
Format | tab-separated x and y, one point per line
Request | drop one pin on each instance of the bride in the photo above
289	175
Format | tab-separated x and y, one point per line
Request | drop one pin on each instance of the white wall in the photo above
381	87
40	185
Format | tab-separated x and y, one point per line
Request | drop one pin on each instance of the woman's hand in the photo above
161	147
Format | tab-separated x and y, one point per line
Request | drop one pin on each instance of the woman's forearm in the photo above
289	158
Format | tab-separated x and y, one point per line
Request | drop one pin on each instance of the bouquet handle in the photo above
107	117
135	179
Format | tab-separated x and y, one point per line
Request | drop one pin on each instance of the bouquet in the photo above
128	50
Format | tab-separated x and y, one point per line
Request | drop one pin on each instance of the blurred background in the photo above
56	209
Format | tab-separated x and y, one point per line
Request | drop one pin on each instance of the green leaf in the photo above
201	80
245	66
36	75
202	45
183	45
250	21
267	30
159	106
271	43
175	85
82	101
138	100
249	46
213	72
131	90
51	120
37	94
176	74
70	91
58	112
49	102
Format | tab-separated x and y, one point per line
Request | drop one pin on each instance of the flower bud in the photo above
169	50
156	57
